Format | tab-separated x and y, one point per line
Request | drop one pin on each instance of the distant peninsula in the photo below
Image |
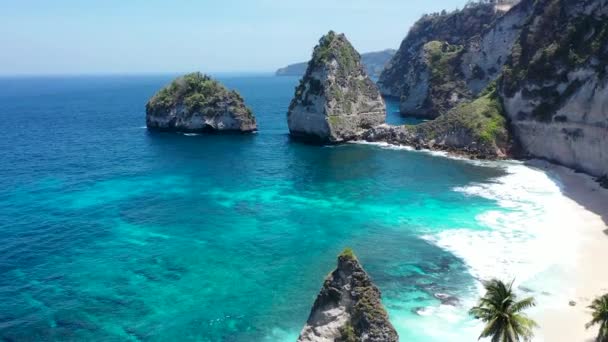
374	63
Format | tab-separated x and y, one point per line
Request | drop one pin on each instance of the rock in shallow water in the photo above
335	100
348	308
196	103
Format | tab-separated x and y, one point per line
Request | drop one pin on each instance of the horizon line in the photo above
137	73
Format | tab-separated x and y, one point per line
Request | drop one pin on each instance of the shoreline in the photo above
577	277
584	279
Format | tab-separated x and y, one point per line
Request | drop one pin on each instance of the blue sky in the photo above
153	36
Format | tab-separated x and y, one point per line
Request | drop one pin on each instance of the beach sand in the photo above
587	277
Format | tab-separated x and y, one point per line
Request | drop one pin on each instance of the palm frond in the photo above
502	312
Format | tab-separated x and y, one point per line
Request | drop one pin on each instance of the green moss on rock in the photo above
348	253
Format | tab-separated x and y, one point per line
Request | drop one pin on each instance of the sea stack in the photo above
196	103
335	100
348	308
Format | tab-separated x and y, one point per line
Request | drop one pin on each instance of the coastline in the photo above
584	279
580	237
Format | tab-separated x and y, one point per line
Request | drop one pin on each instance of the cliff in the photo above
548	58
197	103
424	72
374	63
348	308
554	86
335	100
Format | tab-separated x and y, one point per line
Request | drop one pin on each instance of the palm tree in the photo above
503	313
600	316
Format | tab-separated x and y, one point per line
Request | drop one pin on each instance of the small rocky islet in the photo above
196	103
336	100
348	307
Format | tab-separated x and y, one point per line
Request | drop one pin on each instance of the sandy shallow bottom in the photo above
585	277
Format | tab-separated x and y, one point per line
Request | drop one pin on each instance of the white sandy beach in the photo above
586	278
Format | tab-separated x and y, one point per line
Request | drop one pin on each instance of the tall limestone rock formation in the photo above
335	100
348	308
421	74
198	103
448	58
555	84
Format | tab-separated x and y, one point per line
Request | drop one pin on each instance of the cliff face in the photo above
374	63
448	59
197	103
425	73
348	308
485	54
549	60
335	100
554	87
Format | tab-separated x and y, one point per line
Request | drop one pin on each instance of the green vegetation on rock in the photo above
334	46
446	84
554	43
440	55
484	117
479	125
347	333
195	91
348	253
453	28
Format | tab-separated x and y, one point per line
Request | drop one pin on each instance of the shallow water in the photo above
110	232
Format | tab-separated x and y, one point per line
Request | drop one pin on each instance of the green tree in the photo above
600	316
503	313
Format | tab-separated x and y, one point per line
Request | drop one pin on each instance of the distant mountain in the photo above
374	62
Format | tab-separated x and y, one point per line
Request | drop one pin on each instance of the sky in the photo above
153	36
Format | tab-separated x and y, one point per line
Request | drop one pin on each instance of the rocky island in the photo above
374	63
196	103
348	308
335	100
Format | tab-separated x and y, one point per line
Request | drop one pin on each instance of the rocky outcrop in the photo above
477	130
448	58
555	85
549	59
335	100
197	103
424	71
374	63
348	308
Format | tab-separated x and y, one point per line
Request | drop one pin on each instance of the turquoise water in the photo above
110	232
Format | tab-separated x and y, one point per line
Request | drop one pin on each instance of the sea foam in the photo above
531	233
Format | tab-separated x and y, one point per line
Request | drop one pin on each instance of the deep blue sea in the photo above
109	232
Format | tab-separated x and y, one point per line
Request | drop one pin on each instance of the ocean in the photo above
113	233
